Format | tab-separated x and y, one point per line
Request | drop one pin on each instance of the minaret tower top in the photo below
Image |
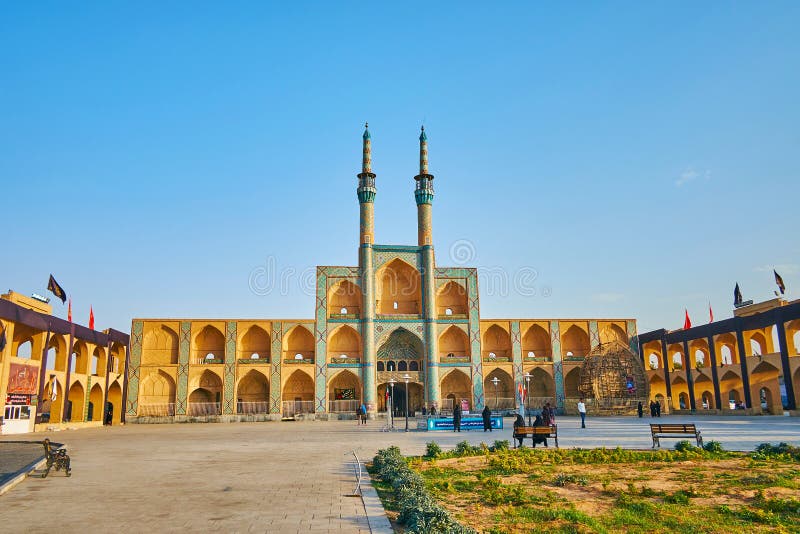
424	190
366	191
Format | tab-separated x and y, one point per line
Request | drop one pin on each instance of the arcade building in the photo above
395	320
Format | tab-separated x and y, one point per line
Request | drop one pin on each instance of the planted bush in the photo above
433	450
713	446
418	511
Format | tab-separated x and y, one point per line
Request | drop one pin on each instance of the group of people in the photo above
539	421
655	409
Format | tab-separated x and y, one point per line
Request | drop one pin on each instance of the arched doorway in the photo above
500	396
765	388
398	288
572	381
455	387
209	346
536	344
344	393
114	405
75	401
252	393
298	394
206	397
95	410
542	389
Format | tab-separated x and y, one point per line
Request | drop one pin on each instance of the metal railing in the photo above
343	406
501	403
203	408
252	407
165	409
292	408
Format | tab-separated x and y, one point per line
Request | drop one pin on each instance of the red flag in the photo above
521	392
710	314
69	311
91	318
687	323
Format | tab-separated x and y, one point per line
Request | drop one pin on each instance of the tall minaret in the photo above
366	191
423	194
366	199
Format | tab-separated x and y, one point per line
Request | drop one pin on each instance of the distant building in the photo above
80	390
746	364
397	316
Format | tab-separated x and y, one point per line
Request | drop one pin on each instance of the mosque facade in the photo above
395	321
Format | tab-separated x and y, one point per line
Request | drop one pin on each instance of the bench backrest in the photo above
534	430
674	428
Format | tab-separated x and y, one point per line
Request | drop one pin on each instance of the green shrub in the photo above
433	450
418	511
713	447
500	445
562	479
684	446
782	451
463	448
680	497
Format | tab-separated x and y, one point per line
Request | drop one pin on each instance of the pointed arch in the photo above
298	340
344	343
536	343
98	365
575	342
76	398
159	346
725	346
496	342
345	298
454	343
94	411
80	358
572	382
298	392
543	387
398	289
56	353
612	332
456	385
451	299
25	349
157	388
56	406
209	345
255	344
115	402
344	392
502	396
252	393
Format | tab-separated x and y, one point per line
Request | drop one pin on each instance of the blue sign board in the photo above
467	423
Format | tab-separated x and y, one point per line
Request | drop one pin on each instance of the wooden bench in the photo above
674	430
536	431
56	456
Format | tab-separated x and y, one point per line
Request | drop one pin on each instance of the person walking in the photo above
487	419
658	409
363	412
457	417
582	412
639	409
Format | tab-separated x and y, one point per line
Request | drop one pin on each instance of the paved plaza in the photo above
270	477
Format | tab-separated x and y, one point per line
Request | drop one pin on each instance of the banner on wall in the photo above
22	379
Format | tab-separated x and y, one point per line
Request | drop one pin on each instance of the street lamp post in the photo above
495	381
406	378
528	396
392	382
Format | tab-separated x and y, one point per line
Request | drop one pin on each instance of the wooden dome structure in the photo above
614	377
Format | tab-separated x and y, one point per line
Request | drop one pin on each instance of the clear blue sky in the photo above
641	157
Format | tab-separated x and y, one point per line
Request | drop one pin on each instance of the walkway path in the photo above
268	477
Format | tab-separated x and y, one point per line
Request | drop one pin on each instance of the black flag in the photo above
56	289
737	295
779	281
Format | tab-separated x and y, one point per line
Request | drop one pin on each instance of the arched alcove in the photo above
344	345
575	342
159	346
255	341
252	393
536	344
209	345
454	344
496	343
344	298
398	288
452	296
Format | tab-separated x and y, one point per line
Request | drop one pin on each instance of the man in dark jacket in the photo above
487	419
457	417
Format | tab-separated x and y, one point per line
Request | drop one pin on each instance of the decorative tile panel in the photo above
275	368
86	401
132	400
229	381
473	302
558	369
184	344
321	342
516	353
